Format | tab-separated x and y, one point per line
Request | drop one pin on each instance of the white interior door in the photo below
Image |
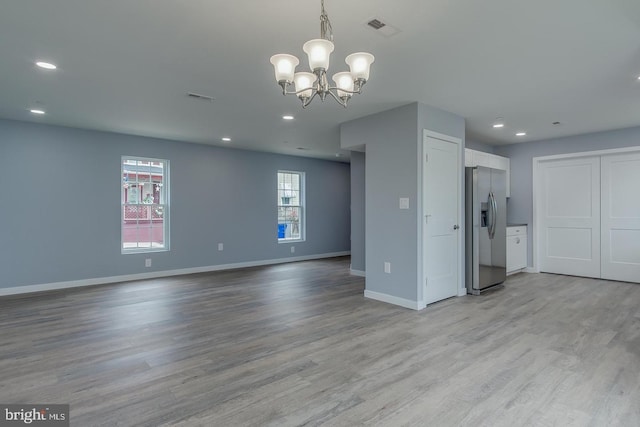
441	199
621	217
569	216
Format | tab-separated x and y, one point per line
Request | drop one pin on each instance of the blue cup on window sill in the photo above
281	230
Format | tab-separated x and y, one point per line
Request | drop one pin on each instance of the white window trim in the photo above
303	207
166	213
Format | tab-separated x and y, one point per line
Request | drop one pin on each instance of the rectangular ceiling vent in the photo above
380	27
200	96
376	24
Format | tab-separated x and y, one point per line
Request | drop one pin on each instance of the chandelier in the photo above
309	85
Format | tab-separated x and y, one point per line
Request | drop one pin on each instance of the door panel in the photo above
570	216
570	243
440	240
621	217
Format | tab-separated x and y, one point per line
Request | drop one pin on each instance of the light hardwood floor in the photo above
298	344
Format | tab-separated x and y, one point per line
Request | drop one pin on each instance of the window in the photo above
290	206
145	204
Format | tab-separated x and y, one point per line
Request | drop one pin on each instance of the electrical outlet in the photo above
293	249
387	267
147	262
220	246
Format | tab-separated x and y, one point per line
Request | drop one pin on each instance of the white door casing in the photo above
441	218
569	214
620	189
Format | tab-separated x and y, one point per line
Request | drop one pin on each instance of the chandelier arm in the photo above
339	100
308	101
352	92
300	91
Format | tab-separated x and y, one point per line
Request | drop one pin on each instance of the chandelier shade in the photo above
304	84
285	67
319	52
308	85
344	84
360	65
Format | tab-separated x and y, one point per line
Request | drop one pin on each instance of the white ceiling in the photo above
126	66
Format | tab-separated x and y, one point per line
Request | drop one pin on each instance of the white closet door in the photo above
570	216
441	229
621	217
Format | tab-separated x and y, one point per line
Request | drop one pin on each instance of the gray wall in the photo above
393	142
520	205
390	173
60	204
358	217
479	146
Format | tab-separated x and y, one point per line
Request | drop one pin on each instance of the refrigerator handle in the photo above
489	215
494	211
494	214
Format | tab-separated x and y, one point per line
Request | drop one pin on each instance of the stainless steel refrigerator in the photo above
486	228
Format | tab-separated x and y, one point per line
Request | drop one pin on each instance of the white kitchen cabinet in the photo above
516	248
480	158
468	157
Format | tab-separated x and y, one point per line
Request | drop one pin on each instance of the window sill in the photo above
143	251
291	240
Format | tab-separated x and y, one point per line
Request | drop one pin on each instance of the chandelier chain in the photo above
326	31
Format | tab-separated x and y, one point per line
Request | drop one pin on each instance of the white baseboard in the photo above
523	270
358	273
413	305
156	274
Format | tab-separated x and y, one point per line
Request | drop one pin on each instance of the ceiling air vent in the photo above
376	24
379	26
200	96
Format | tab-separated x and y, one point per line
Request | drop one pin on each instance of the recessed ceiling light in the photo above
499	123
521	134
46	65
36	111
226	139
287	117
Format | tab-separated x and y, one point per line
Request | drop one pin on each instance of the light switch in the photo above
404	203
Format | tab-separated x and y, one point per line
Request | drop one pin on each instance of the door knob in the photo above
455	227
